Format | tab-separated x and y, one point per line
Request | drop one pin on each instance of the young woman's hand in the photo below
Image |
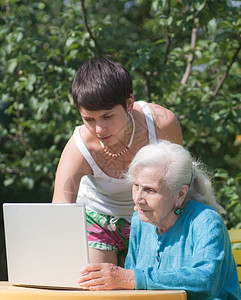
106	276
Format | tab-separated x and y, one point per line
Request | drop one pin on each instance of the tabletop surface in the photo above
10	292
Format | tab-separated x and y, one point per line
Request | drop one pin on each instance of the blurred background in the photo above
182	54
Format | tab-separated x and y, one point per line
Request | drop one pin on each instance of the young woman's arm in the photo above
72	166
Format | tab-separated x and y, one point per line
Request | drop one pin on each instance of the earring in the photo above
178	210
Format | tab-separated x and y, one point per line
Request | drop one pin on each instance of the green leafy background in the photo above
184	55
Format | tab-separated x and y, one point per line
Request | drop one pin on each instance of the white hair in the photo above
177	168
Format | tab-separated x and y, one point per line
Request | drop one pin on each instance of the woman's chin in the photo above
143	217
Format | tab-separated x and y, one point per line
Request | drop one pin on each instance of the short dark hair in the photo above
101	84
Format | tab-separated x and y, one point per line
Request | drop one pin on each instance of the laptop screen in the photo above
46	244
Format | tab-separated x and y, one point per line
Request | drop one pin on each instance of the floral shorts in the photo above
107	232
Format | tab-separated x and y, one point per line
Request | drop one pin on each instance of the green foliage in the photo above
229	189
184	55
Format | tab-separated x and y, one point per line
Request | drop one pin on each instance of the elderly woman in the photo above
178	239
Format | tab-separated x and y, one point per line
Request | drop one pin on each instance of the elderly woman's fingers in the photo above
90	268
89	276
99	284
106	276
98	277
93	284
93	271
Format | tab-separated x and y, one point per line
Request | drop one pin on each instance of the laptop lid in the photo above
46	244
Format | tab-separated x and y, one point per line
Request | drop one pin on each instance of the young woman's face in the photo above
106	125
153	200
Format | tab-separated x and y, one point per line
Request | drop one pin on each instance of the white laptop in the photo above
46	244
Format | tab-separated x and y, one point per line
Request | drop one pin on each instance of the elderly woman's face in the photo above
153	200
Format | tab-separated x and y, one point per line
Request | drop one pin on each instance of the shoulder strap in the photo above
83	149
149	120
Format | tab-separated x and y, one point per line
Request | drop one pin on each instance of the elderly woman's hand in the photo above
106	276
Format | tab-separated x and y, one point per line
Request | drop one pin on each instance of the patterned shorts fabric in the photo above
107	232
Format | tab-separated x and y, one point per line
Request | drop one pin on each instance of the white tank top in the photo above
105	194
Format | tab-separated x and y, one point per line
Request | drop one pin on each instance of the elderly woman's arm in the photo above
105	276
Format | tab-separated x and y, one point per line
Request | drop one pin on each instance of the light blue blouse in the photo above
193	255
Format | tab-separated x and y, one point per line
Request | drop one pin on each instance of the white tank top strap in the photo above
149	120
84	150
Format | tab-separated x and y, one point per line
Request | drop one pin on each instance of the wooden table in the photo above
9	292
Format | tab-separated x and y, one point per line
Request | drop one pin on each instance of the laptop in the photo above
46	244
